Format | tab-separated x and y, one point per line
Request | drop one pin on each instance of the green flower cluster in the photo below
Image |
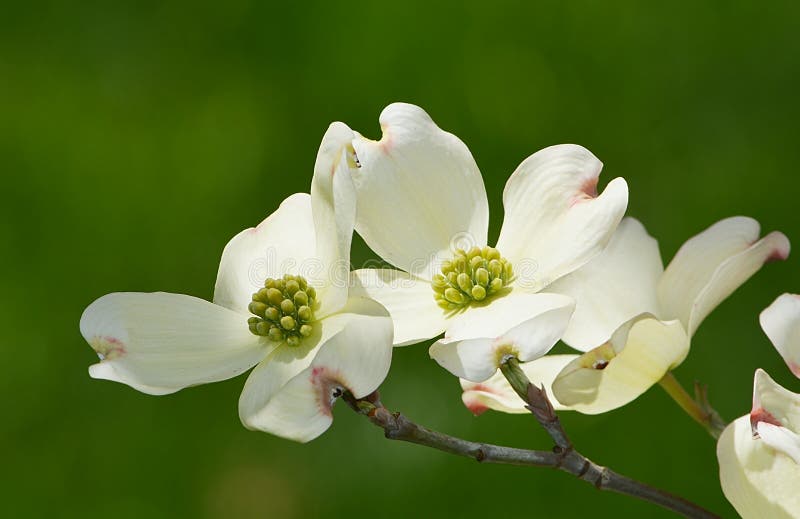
473	275
284	310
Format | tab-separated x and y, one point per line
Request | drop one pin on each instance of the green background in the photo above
137	137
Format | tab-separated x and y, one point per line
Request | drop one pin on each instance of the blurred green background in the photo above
137	137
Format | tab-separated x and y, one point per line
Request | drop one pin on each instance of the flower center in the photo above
284	310
476	275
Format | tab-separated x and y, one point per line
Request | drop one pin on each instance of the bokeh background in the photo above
137	137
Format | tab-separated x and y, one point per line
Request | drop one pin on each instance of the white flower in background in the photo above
781	323
759	454
635	320
422	207
281	303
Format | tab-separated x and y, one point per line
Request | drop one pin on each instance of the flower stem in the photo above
700	411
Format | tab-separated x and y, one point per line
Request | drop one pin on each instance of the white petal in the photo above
554	220
496	393
614	287
781	322
419	192
520	324
287	362
333	199
639	354
781	439
759	482
711	265
774	404
353	355
284	243
160	343
409	300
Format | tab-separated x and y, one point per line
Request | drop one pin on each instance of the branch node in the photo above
586	466
480	455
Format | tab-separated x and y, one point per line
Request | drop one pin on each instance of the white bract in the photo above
281	303
634	319
496	393
781	322
422	207
759	454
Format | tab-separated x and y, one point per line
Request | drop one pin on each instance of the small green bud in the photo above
274	295
287	307
464	282
292	286
287	322
495	268
476	262
272	314
300	298
257	308
312	292
478	293
474	252
275	334
293	340
306	330
262	328
454	296
495	285
482	277
304	313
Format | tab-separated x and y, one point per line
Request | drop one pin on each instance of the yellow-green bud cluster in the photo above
475	275
284	310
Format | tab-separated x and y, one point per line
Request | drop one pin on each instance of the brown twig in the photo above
563	456
579	465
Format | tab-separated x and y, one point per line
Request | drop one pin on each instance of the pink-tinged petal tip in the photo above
474	404
759	415
108	347
327	389
781	247
586	192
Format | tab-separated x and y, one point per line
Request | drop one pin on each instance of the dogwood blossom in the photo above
634	319
422	207
759	454
281	304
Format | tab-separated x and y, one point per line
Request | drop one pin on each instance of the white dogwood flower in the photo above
634	320
422	207
759	454
281	303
